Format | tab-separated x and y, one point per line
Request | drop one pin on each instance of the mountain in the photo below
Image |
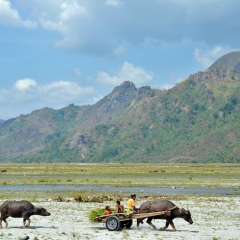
196	121
230	61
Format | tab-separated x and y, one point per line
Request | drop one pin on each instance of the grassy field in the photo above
120	175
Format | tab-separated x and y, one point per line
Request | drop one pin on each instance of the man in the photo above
119	207
131	203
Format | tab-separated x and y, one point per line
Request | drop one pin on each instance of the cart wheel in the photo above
126	224
113	223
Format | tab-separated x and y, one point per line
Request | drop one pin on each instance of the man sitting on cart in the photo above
119	207
131	203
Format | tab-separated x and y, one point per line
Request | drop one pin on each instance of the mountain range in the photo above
196	121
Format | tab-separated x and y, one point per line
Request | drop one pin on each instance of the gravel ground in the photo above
214	218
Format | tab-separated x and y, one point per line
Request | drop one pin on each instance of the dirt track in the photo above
214	218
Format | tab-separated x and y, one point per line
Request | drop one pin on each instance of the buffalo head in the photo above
43	212
186	215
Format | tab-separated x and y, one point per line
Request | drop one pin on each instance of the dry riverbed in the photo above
214	218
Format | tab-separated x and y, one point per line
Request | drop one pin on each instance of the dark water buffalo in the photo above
164	205
20	209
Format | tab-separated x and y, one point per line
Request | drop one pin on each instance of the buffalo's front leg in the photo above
166	226
24	222
28	222
26	217
149	221
172	224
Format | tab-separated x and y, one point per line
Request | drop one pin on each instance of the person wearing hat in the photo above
131	203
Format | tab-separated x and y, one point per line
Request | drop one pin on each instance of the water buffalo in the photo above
20	209
164	205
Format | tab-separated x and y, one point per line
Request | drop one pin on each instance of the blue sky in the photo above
57	52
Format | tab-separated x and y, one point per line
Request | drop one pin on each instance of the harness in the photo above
170	209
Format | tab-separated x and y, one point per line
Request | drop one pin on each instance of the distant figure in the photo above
108	211
24	238
131	203
119	207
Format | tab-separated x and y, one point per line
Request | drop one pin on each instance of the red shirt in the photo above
107	212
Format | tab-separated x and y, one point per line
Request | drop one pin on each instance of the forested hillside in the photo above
195	121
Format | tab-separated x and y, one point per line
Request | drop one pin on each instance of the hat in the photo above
133	195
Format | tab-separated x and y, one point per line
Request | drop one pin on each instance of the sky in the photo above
59	52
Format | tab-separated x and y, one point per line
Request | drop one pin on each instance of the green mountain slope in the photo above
196	121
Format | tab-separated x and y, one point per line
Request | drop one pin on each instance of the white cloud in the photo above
206	58
119	51
64	20
114	3
64	91
167	86
97	29
27	95
127	73
25	84
69	19
9	16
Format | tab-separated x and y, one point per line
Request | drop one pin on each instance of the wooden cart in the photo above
117	221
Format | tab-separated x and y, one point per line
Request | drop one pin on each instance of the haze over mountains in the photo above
196	121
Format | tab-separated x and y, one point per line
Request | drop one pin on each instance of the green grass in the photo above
94	213
124	175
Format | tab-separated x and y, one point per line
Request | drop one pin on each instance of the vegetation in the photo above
94	213
113	175
194	122
123	175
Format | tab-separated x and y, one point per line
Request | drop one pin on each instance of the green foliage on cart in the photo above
95	213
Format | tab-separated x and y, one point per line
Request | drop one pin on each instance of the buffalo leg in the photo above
149	221
28	222
6	223
139	221
172	224
24	223
166	226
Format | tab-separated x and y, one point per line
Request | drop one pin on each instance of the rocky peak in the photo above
122	95
230	61
125	89
118	100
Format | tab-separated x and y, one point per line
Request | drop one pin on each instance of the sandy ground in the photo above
214	218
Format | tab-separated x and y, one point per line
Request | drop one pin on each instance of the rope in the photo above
170	209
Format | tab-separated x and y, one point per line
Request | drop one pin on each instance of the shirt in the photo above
131	203
107	212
